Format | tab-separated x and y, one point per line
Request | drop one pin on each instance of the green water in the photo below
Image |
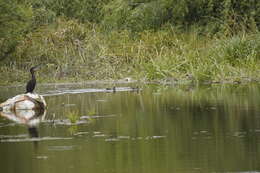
159	129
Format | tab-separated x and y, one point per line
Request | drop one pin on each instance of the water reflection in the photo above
160	129
30	118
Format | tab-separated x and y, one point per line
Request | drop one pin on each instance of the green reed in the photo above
76	52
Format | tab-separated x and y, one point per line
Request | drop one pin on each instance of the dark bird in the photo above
27	101
32	83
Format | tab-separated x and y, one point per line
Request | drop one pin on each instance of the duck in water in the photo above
27	101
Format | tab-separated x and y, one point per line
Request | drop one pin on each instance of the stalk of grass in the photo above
73	51
73	116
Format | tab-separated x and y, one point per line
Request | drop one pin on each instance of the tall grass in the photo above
72	51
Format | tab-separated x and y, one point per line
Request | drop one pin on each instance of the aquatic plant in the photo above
73	116
92	112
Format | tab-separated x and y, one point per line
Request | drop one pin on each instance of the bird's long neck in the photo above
33	75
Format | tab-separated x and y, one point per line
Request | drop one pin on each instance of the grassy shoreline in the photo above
76	52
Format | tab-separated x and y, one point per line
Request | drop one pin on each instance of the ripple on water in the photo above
99	136
34	139
119	138
13	136
8	125
64	91
61	148
81	133
240	134
112	139
123	137
66	122
42	157
97	116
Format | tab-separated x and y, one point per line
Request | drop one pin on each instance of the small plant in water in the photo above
73	129
92	112
73	116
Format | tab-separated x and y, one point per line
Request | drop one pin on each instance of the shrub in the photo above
15	22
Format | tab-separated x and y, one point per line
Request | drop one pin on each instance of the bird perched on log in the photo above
32	83
27	101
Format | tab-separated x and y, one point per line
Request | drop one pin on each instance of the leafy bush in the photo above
15	22
134	15
152	39
83	10
223	15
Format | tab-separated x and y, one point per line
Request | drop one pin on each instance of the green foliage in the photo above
225	15
73	116
202	59
42	16
83	10
72	51
134	15
201	40
239	49
15	20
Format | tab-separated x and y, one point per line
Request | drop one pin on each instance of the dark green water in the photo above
159	129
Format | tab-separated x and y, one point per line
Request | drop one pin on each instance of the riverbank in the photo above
76	52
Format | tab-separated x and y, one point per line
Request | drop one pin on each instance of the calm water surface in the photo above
159	129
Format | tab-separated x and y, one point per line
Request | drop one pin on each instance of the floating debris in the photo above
157	137
101	100
90	90
112	140
123	137
67	105
61	148
96	133
203	131
81	133
99	135
42	157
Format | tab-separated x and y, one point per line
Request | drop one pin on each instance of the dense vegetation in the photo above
176	40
